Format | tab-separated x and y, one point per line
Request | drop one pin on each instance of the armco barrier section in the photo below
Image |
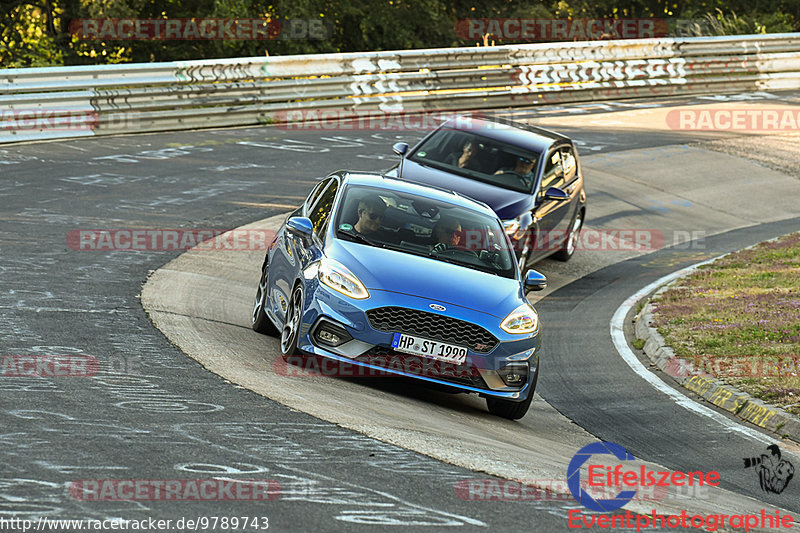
62	102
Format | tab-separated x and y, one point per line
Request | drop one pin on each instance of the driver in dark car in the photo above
522	168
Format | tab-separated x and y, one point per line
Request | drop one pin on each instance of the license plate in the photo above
428	348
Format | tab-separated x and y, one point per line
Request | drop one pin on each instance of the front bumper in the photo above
371	349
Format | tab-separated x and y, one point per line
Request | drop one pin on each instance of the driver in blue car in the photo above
370	214
371	211
522	168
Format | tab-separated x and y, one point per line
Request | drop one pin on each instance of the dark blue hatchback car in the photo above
407	279
530	176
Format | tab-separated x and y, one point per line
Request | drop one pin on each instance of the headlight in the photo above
337	276
521	320
512	228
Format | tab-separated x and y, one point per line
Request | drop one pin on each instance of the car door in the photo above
319	214
573	181
290	253
551	215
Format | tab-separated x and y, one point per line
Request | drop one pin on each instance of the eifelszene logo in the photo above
574	477
632	477
774	473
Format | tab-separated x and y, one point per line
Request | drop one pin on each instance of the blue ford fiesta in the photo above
404	279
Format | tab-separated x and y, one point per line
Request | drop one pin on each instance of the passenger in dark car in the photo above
468	158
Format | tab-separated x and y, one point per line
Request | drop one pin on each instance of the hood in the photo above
506	203
390	270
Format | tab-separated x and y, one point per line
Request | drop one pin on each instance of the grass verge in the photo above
738	319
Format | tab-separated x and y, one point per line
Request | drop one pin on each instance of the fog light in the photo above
331	334
514	375
327	336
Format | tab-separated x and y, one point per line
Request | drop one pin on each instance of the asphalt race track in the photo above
153	413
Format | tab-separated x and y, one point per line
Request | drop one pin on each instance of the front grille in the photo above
432	326
417	365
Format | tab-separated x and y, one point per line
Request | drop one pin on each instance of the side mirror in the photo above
400	149
300	226
534	281
554	193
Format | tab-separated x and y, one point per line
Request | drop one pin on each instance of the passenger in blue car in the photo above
446	233
523	169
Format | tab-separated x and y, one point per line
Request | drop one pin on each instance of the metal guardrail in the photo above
61	102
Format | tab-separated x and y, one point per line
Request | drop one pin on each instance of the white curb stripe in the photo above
621	344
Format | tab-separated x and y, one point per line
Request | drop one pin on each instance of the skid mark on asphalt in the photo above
276	450
260	441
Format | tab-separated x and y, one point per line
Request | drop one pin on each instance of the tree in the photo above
37	32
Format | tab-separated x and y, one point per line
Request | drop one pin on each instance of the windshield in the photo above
479	158
420	226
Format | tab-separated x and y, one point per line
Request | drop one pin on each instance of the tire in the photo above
260	321
509	409
291	327
571	242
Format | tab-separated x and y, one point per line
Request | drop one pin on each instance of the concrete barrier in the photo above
63	102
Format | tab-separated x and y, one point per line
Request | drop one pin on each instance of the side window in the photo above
553	173
318	188
322	208
568	164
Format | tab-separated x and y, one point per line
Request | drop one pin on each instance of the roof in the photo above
508	131
426	191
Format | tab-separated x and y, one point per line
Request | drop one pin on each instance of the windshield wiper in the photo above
435	255
362	239
473	266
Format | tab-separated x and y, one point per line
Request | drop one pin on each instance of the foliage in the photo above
37	32
722	23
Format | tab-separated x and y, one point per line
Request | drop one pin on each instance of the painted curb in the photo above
711	389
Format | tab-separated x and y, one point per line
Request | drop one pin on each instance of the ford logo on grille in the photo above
437	307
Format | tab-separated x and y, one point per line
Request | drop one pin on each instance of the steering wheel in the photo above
443	248
523	180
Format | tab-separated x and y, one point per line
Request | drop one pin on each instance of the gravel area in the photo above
778	152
